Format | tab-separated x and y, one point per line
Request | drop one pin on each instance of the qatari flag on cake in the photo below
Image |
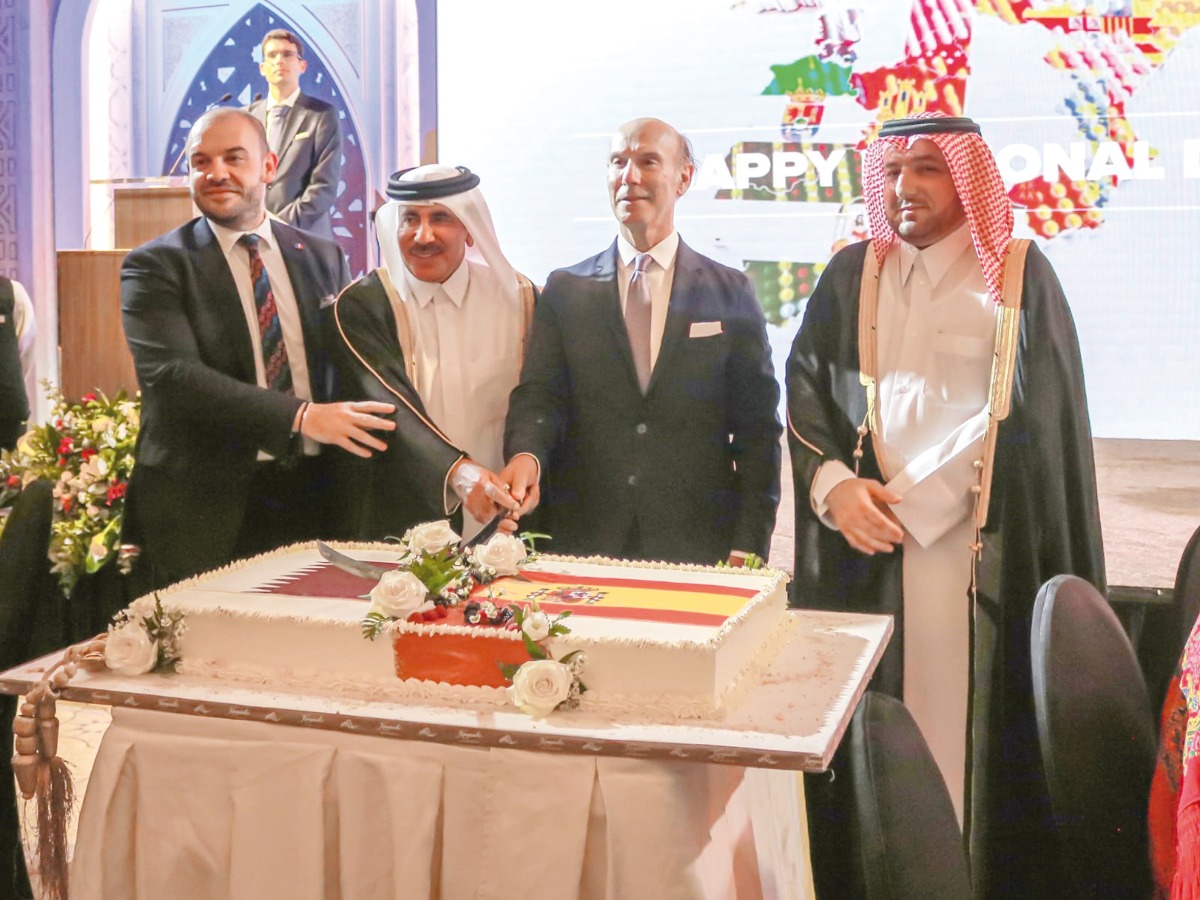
602	597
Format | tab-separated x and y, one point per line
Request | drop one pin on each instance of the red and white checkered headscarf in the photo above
977	180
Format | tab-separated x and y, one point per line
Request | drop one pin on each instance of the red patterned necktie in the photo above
270	331
637	318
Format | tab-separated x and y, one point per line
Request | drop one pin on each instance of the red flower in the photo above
89	398
65	446
67	503
115	492
13	481
87	453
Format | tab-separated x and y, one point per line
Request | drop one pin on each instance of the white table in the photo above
207	790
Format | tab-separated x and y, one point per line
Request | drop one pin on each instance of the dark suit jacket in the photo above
694	463
310	164
203	417
14	404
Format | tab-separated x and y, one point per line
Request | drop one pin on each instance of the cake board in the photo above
791	718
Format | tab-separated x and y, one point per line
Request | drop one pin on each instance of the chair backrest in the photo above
904	836
1187	590
1097	738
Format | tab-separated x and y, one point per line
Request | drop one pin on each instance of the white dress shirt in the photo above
25	323
660	274
238	258
289	101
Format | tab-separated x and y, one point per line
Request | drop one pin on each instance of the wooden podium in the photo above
143	210
91	343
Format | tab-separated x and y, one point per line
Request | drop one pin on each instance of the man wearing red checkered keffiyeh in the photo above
943	470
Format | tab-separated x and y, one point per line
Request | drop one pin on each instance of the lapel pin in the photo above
299	246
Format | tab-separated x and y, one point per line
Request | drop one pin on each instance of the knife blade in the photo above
486	532
348	563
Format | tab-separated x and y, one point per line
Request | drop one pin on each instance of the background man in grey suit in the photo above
646	417
303	133
225	318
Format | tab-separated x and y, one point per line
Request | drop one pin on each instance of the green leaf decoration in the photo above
373	624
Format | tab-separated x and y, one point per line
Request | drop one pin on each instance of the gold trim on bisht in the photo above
868	364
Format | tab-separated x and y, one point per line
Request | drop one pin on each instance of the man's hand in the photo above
349	425
521	474
483	492
859	509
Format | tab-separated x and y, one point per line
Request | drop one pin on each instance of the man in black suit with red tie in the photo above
646	417
224	317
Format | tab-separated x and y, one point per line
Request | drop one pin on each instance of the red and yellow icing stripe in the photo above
638	599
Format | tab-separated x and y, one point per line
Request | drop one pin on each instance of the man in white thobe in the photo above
943	468
444	319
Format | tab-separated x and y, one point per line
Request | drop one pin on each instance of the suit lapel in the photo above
606	274
683	287
221	296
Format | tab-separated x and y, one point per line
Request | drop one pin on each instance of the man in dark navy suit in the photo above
224	317
645	421
304	134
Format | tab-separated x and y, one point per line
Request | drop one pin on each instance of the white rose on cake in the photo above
539	686
503	554
129	650
142	608
430	537
536	625
399	595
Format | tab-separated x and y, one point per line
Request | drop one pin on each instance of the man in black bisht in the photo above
943	469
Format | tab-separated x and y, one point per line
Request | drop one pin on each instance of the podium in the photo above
145	208
91	343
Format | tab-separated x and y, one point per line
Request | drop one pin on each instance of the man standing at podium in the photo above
224	318
303	133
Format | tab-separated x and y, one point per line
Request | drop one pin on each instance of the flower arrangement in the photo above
86	449
435	573
543	684
143	637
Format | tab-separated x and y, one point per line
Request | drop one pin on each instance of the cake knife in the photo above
348	563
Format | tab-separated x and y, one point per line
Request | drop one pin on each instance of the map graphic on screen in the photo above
1089	107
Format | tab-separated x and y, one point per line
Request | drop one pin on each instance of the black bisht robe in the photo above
1043	521
390	492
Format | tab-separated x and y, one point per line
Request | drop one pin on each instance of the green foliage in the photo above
373	624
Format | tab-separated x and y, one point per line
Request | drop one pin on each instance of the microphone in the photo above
179	158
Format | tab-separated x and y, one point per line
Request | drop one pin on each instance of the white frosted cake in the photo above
659	639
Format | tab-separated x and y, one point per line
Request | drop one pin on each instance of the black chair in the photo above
1097	737
1187	590
905	842
26	590
1160	620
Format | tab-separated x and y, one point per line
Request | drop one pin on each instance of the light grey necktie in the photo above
637	318
275	123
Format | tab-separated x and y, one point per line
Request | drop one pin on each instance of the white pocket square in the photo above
705	329
302	134
327	301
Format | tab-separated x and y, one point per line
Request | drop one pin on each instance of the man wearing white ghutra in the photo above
441	328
